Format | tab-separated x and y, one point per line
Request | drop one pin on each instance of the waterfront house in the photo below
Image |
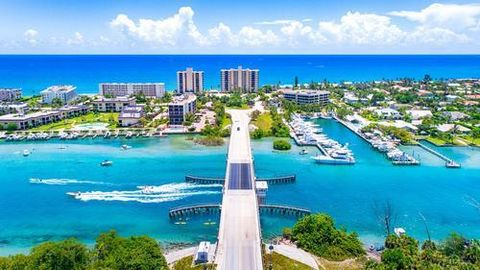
453	127
65	93
451	98
114	104
180	107
419	114
131	115
455	116
388	113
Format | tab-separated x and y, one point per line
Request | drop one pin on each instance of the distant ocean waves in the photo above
62	181
149	194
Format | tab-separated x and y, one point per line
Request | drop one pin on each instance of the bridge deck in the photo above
239	241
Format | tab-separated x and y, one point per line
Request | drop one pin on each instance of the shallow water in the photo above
34	206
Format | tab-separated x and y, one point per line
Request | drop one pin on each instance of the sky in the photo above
239	27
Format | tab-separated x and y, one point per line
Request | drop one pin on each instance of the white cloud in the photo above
435	36
77	39
31	36
296	30
255	37
451	16
168	31
359	28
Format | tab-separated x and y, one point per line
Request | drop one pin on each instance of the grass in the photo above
186	264
83	119
436	141
280	262
350	264
264	122
472	140
243	107
226	122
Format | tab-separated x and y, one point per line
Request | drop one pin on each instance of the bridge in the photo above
239	238
284	179
199	209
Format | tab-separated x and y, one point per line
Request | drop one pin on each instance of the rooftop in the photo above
183	99
309	92
59	88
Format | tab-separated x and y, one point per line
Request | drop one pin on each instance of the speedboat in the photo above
452	164
106	163
26	153
125	147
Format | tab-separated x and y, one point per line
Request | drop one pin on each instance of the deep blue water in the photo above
34	73
32	213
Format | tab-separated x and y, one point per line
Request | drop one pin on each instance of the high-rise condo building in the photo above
239	79
180	107
10	94
189	81
127	89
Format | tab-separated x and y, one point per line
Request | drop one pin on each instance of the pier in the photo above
199	209
449	163
286	179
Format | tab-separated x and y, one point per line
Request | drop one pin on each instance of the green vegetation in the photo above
317	234
110	118
110	252
186	264
278	129
264	122
403	135
280	262
403	252
282	145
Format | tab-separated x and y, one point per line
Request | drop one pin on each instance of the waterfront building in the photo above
239	79
8	108
131	115
155	90
10	94
303	97
189	81
181	106
114	104
453	127
65	93
24	121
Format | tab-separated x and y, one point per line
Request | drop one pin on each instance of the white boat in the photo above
334	161
303	152
125	147
26	153
106	163
452	164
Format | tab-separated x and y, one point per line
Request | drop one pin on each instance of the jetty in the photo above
449	163
285	179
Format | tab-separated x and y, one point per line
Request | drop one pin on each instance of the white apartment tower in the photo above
244	80
190	81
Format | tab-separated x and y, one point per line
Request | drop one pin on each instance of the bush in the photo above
258	134
317	234
281	145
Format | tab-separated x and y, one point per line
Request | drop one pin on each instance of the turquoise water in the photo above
31	213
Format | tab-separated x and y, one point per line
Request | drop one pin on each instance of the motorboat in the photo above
26	153
334	161
106	163
125	147
303	152
452	164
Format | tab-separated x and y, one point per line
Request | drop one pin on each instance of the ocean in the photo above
34	73
35	206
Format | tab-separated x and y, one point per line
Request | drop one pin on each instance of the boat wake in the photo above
62	181
149	194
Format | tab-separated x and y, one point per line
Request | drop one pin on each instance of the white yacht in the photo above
125	147
26	153
348	160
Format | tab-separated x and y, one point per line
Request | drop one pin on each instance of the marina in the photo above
306	133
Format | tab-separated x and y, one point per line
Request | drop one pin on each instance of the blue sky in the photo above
242	27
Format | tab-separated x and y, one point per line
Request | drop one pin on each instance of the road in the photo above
239	238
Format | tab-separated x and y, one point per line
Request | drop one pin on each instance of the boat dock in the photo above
199	209
286	179
449	163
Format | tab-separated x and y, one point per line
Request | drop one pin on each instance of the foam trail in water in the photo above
62	181
148	194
